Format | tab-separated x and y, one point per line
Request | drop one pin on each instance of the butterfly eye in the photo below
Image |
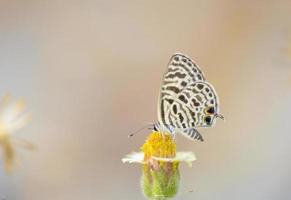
210	110
207	119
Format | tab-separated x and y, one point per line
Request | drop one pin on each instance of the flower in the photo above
12	118
160	161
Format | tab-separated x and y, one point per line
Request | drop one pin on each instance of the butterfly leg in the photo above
172	132
173	135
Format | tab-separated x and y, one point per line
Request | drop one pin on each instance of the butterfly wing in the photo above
181	72
186	100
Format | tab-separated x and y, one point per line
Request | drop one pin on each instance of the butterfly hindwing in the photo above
195	106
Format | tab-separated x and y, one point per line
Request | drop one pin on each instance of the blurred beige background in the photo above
90	72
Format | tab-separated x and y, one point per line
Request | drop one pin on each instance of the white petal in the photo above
18	123
187	157
135	157
12	116
12	111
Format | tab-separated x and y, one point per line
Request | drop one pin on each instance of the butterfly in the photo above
186	101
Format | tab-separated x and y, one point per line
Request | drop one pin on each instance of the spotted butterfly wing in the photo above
186	100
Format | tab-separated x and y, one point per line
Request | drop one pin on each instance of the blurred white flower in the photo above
12	118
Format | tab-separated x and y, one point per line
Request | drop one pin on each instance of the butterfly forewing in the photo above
181	72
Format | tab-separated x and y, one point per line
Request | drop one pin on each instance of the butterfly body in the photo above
187	101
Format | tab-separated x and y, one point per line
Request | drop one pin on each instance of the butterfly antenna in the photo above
139	130
220	116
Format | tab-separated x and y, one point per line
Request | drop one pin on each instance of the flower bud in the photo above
160	179
160	166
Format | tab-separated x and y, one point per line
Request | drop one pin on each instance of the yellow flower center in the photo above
159	145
